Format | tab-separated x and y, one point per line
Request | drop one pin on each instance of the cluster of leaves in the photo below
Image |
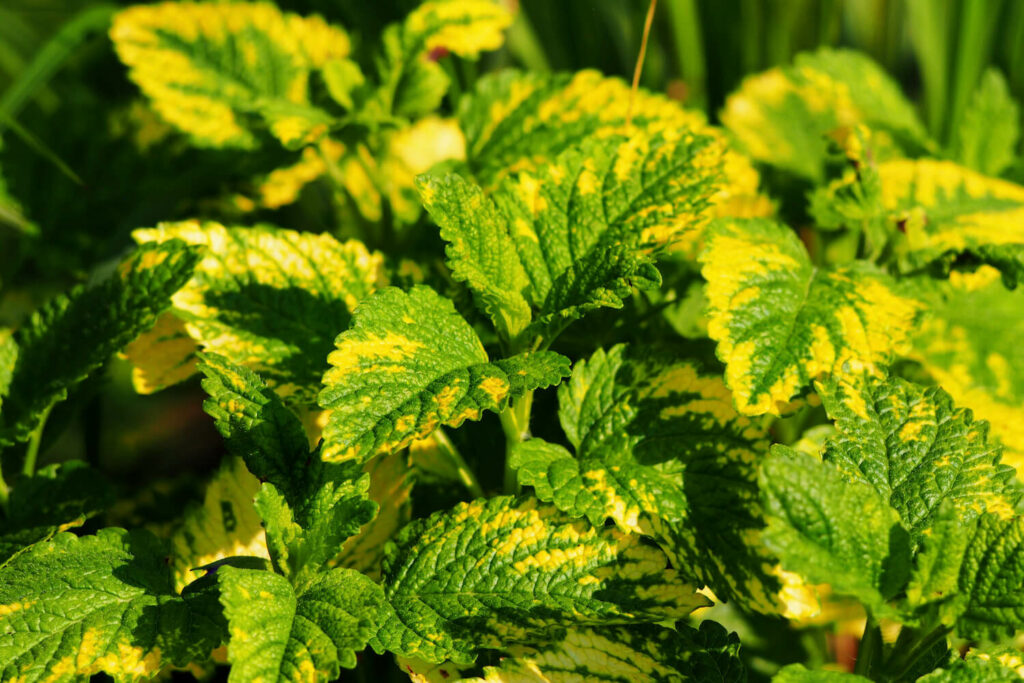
611	244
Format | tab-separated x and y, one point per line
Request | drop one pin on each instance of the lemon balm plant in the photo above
666	392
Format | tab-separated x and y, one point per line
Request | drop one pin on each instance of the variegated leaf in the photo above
614	654
215	69
72	607
916	449
412	82
781	322
784	115
507	570
410	363
661	450
970	346
516	122
271	299
829	529
577	234
283	635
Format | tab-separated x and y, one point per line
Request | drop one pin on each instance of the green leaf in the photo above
520	122
783	116
279	635
936	573
225	524
412	82
970	346
309	506
495	572
798	673
640	652
73	606
832	530
577	234
216	70
984	668
480	250
55	498
408	364
991	583
943	216
990	127
781	322
916	449
74	334
271	299
660	450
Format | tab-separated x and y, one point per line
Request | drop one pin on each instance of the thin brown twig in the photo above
640	61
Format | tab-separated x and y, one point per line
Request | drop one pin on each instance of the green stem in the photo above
465	473
515	422
32	453
904	659
870	648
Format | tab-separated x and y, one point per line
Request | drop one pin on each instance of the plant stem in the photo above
465	473
870	648
515	422
32	453
904	659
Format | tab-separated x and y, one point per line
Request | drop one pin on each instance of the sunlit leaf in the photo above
410	363
222	71
271	299
507	570
781	322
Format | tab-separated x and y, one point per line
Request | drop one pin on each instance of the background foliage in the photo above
84	162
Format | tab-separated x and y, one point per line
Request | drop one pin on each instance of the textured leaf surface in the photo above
522	121
970	346
216	69
309	507
975	670
271	299
781	322
72	606
278	635
410	363
575	235
831	530
991	583
916	449
782	116
661	450
495	572
55	498
990	127
74	334
798	673
627	653
224	525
